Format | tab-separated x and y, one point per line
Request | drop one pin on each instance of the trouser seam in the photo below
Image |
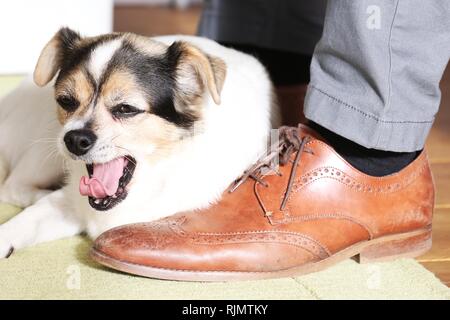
388	104
390	56
365	114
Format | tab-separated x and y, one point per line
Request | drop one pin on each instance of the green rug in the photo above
7	83
61	270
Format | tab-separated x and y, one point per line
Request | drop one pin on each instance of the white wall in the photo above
27	25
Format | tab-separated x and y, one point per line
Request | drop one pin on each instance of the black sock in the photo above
373	162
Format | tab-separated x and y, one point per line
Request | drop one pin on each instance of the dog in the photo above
134	129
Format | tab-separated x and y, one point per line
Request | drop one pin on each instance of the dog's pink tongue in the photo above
105	179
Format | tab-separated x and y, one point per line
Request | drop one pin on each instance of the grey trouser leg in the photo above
375	72
288	25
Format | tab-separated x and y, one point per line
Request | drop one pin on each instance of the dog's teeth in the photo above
97	201
114	196
105	201
120	190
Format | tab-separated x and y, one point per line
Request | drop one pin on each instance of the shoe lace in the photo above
289	142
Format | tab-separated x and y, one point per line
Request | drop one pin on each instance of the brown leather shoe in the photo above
310	213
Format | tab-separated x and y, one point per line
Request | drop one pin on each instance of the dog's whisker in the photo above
65	166
115	137
42	141
131	160
128	158
123	148
51	155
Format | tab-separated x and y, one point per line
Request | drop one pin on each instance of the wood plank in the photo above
8	83
156	20
441	174
437	260
441	269
438	142
441	238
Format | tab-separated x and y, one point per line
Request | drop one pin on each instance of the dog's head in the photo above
124	99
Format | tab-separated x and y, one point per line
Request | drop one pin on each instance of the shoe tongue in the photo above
105	179
307	130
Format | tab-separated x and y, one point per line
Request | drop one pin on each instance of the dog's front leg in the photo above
48	219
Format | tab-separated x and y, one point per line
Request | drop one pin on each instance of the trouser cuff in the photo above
361	127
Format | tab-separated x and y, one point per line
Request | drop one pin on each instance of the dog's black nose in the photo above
79	142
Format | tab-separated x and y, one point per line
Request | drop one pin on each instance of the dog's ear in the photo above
52	55
196	70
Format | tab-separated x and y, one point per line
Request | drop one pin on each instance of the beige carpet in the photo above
62	270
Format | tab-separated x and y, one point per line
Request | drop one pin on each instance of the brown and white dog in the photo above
145	128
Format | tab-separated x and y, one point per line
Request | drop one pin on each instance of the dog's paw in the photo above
3	170
6	249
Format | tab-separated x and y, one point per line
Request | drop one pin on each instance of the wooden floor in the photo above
438	145
157	21
151	21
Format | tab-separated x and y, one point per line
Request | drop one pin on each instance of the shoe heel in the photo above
404	247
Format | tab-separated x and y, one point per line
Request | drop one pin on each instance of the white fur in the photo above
234	135
28	156
101	56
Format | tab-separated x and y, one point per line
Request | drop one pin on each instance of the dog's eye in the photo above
124	110
68	103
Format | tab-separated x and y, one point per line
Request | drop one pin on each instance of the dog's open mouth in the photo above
106	184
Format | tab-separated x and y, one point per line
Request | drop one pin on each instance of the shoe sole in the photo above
404	245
